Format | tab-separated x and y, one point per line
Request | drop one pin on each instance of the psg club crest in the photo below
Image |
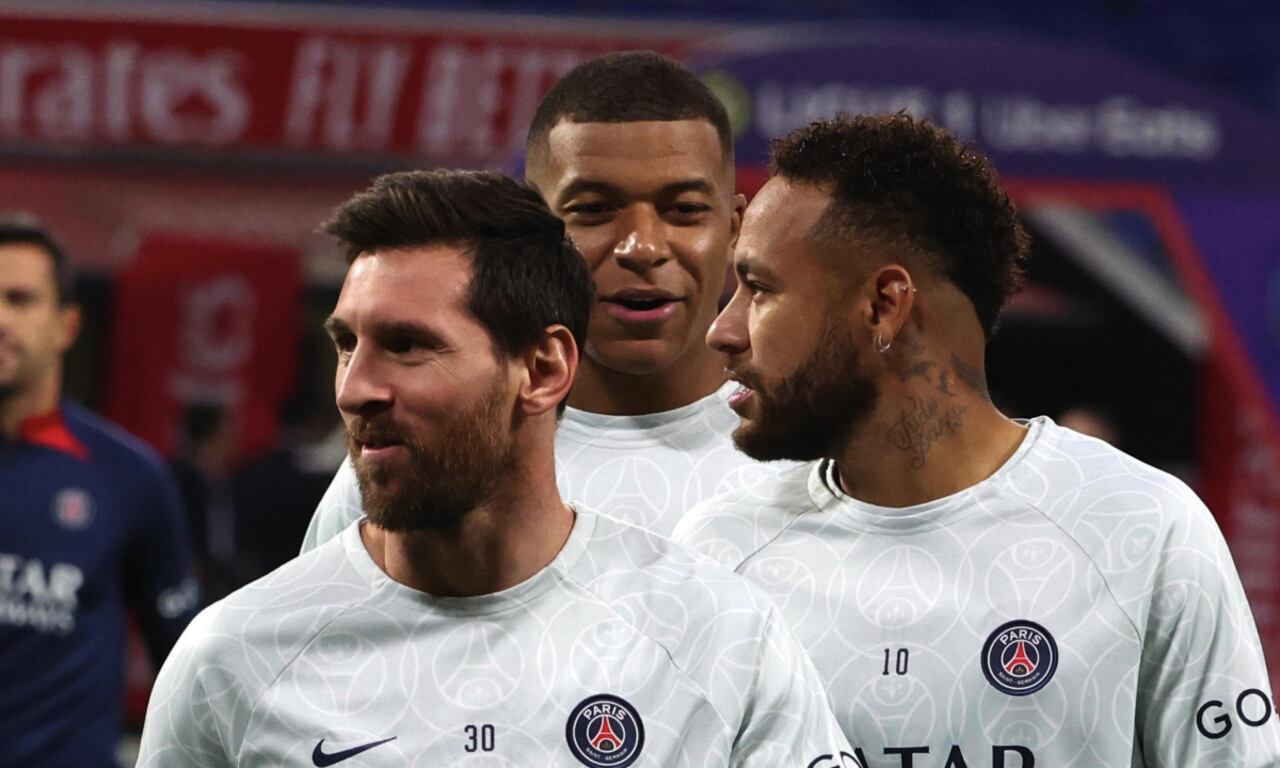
72	509
604	731
1019	658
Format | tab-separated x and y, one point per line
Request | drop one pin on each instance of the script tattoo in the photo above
921	425
918	370
970	375
944	384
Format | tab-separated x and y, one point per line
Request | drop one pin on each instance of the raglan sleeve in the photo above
789	721
195	705
1203	695
339	507
159	581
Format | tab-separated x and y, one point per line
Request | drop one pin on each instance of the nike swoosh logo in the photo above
319	758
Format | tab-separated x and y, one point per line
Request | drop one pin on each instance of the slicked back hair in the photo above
898	181
24	229
629	87
526	273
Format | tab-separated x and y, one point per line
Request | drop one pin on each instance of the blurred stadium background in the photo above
186	151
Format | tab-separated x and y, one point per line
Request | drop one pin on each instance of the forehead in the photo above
424	284
25	264
777	224
636	156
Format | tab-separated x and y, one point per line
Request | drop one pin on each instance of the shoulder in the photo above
1076	480
692	606
731	526
260	628
109	443
124	458
1133	521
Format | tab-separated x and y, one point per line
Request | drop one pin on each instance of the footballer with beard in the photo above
473	617
976	591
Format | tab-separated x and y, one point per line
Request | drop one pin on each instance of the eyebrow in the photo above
579	186
745	264
421	333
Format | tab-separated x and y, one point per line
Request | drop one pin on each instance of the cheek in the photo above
704	256
594	243
777	335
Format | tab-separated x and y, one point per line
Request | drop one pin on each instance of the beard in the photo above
808	413
445	478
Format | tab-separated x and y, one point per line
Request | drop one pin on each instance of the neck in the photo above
695	375
934	432
502	542
17	407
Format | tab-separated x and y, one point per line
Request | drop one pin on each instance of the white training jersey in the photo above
648	470
624	651
1077	609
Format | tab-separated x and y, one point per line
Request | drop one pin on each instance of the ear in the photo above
69	321
737	207
893	294
548	370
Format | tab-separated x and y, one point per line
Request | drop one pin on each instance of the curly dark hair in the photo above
896	180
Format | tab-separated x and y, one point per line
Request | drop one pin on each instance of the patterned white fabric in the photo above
648	470
1133	643
626	645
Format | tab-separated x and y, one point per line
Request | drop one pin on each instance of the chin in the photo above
646	357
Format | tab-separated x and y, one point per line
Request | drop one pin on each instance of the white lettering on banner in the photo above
351	92
464	90
782	108
1126	128
1117	126
68	92
43	600
467	97
1026	124
217	339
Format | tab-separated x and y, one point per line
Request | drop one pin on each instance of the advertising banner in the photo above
204	321
450	90
1034	109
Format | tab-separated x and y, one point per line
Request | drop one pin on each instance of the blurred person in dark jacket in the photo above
90	523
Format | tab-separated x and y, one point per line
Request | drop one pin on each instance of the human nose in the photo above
644	245
728	332
359	386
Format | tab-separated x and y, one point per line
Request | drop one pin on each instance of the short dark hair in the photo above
898	180
527	274
24	229
629	87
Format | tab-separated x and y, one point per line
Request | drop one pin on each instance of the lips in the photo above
641	305
742	394
371	443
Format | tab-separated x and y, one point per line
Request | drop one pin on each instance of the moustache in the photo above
744	379
373	431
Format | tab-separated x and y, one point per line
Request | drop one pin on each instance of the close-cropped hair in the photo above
24	229
526	273
629	87
900	181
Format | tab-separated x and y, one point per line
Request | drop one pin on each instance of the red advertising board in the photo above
208	321
452	90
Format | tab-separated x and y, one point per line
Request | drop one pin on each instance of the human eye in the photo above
343	344
688	211
588	211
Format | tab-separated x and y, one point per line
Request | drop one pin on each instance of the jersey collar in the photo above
49	430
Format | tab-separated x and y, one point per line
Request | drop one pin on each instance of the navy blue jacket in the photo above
90	524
